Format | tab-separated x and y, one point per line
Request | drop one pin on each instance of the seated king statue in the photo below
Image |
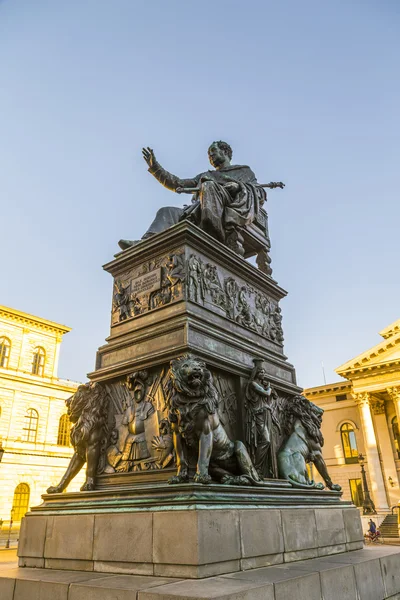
225	199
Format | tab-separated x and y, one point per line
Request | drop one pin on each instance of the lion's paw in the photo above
88	486
199	478
335	487
54	489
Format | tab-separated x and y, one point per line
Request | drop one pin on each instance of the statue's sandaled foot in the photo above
54	489
202	478
319	486
88	486
180	478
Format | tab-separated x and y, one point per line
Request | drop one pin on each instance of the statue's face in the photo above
138	392
216	156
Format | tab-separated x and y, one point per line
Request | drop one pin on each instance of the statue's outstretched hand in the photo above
149	156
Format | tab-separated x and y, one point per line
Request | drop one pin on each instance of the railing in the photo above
396	507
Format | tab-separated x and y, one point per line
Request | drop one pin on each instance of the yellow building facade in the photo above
362	415
34	427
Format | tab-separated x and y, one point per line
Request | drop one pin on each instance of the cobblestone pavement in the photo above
8	559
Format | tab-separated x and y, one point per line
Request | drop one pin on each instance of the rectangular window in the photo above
356	491
341	397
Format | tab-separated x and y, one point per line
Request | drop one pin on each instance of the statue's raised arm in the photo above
167	179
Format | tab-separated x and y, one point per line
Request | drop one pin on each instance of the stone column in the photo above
394	394
386	448
371	450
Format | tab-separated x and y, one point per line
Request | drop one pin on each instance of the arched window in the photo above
5	347
349	443
63	431
396	435
20	501
39	357
30	425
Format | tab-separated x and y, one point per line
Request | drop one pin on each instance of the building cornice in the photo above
390	330
46	382
26	319
329	389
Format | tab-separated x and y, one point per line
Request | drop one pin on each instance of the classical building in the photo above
362	415
34	426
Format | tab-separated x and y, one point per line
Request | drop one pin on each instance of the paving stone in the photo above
330	527
7	585
31	544
40	590
217	587
257	562
390	566
125	568
127	537
299	529
69	536
196	537
261	532
68	565
305	586
338	583
197	571
118	587
369	580
352	525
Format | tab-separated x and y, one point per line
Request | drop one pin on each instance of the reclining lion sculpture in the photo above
87	409
302	425
197	430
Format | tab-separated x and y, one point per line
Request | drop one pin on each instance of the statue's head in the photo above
136	383
220	154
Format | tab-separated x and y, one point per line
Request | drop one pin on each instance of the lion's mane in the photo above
89	405
181	393
298	407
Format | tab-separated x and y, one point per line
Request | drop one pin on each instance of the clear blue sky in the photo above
306	92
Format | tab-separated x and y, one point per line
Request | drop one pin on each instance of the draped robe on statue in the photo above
213	208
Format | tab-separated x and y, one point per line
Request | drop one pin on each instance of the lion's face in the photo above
190	376
78	402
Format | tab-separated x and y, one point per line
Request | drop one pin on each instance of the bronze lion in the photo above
197	430
87	409
302	424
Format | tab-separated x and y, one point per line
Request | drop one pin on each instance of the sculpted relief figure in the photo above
261	422
198	433
87	409
226	198
137	410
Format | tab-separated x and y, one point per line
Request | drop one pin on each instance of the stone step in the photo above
370	574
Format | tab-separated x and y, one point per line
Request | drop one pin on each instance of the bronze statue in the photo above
226	198
88	410
197	429
302	427
261	422
137	410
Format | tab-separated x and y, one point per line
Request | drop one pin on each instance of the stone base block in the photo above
368	574
191	543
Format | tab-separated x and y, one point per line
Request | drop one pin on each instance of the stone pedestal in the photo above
190	531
